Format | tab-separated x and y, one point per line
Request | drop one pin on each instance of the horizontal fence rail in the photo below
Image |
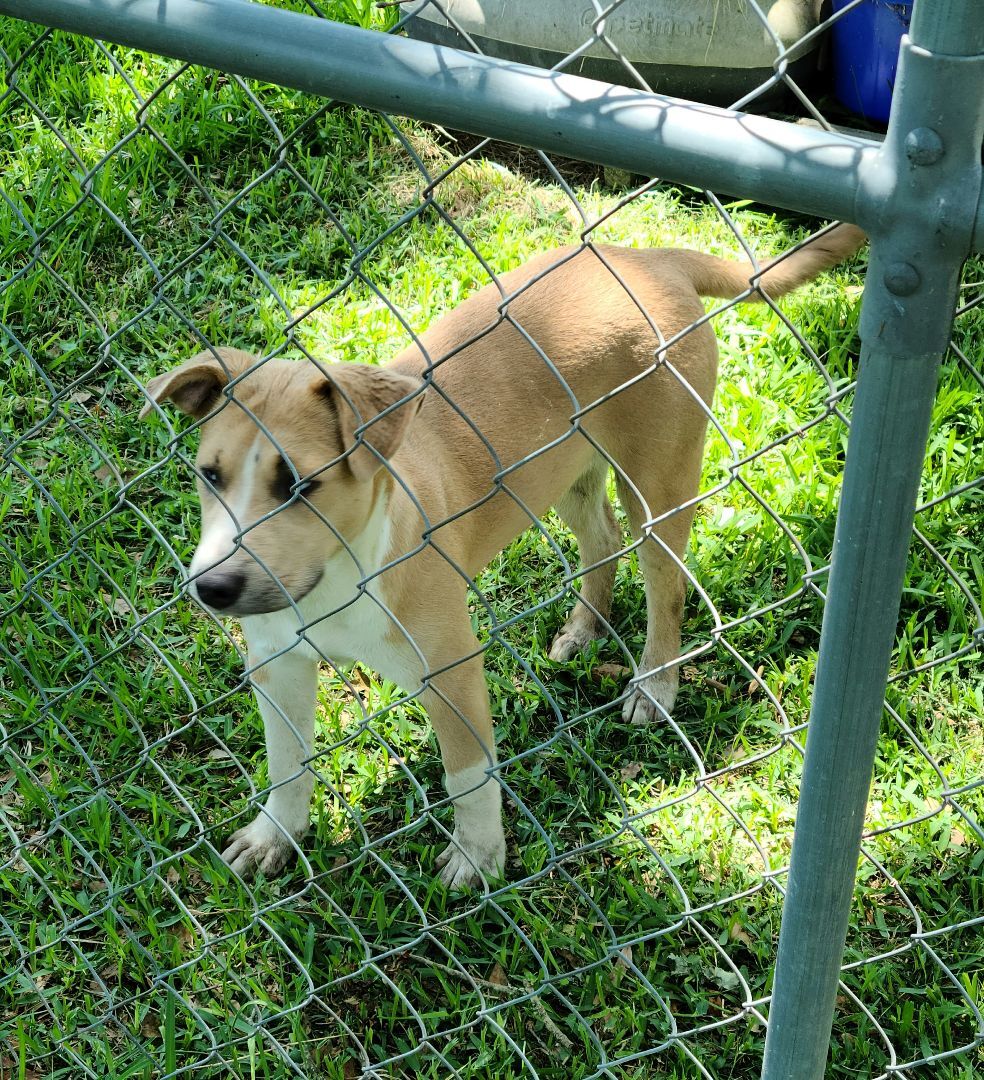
799	168
782	164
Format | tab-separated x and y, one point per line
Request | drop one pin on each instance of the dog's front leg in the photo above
458	704
286	691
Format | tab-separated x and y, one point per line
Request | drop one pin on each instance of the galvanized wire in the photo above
537	1017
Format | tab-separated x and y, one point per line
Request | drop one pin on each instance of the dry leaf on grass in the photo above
755	684
738	933
149	1028
497	977
610	671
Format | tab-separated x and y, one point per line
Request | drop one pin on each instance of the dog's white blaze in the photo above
219	541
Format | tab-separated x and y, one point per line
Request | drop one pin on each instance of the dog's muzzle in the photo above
220	589
231	592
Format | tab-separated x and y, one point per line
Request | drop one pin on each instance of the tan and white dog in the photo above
345	507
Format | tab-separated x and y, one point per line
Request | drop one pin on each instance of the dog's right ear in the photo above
195	385
363	397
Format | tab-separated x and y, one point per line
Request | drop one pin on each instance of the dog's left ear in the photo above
360	392
194	386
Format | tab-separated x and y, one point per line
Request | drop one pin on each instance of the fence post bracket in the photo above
918	195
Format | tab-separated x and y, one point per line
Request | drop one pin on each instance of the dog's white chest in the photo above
345	618
361	630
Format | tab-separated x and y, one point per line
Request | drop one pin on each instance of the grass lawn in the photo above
147	209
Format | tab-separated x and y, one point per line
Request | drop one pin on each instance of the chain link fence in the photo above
152	210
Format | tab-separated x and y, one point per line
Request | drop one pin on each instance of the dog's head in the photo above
289	467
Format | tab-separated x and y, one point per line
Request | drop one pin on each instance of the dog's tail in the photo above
726	279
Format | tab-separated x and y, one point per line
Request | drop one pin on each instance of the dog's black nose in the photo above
220	589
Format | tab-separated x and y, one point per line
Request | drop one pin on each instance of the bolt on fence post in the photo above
918	201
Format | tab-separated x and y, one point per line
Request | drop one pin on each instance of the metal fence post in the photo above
918	201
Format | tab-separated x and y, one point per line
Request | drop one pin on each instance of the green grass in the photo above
642	915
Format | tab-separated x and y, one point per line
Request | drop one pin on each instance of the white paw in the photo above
652	699
569	642
261	846
468	860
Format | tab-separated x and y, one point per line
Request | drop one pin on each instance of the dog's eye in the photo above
210	476
282	487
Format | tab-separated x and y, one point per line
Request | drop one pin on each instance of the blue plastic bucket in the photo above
866	51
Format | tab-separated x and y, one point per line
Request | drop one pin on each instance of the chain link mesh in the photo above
152	210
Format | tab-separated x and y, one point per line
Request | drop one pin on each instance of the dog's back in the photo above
565	331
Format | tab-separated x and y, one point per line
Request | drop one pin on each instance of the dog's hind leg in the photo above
660	557
286	691
587	511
